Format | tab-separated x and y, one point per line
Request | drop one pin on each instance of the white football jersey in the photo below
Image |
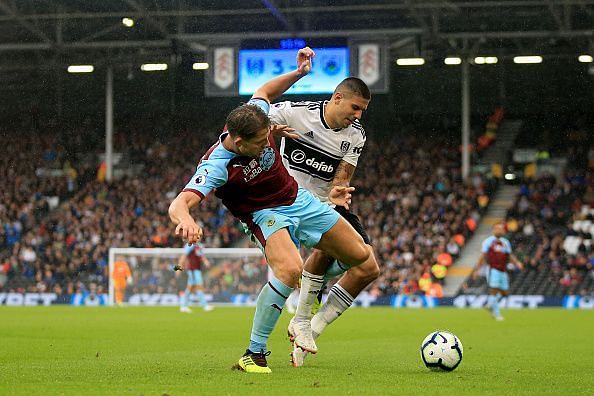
312	159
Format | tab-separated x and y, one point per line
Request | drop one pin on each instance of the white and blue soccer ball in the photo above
441	351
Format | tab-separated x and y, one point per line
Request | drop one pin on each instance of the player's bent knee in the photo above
288	273
371	266
368	271
363	254
358	254
373	274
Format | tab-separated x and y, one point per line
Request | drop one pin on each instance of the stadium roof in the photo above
38	33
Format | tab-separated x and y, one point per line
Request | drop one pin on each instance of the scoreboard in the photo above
256	66
240	68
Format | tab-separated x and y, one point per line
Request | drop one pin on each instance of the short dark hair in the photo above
354	85
246	120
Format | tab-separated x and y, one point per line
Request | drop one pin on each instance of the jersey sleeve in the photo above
280	113
261	103
188	249
507	245
210	174
486	245
356	148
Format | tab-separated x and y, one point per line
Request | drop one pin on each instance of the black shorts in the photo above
354	221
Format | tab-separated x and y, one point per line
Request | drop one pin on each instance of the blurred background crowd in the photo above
59	216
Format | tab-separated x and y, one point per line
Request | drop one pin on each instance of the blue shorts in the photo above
195	278
498	279
307	219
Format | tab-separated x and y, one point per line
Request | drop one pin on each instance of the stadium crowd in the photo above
540	222
59	218
57	229
547	213
416	209
418	215
550	222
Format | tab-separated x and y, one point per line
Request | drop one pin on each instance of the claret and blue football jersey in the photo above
244	184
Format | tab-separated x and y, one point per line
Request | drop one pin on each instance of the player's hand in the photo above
283	131
341	196
477	273
304	59
188	231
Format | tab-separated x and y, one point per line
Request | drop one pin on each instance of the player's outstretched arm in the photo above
181	263
179	213
480	264
517	262
207	263
278	85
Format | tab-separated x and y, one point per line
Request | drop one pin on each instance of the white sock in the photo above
339	300
311	285
291	304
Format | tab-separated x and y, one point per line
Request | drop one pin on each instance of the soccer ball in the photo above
441	350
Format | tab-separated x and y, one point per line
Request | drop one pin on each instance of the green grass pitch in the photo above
158	351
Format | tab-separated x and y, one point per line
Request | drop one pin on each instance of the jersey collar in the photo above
323	119
221	138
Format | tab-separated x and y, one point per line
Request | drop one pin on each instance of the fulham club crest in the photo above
344	146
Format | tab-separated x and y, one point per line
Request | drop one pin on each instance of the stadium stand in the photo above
550	221
58	227
59	219
415	211
550	227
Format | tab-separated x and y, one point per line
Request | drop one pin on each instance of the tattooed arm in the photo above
343	175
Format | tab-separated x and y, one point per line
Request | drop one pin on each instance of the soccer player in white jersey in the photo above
326	153
244	169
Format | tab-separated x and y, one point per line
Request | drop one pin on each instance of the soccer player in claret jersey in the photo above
193	260
246	172
331	139
496	251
